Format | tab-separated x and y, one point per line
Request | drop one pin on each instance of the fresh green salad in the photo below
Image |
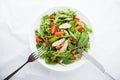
62	33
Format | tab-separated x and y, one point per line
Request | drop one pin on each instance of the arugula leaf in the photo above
47	60
45	19
83	39
70	45
77	35
65	61
38	45
53	39
67	58
86	27
86	40
64	16
73	25
87	47
72	34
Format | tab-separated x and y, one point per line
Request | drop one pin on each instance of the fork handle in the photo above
8	77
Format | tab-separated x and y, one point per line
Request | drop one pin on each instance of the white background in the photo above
17	18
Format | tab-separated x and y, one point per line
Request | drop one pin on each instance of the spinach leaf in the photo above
86	27
53	39
84	39
47	60
77	35
38	45
64	16
45	19
65	61
72	34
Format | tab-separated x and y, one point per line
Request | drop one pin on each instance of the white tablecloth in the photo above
17	18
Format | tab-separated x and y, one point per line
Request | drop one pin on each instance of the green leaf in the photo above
86	27
64	16
53	39
72	34
86	40
81	41
70	45
45	54
45	19
66	56
87	47
77	35
73	25
68	61
47	60
38	45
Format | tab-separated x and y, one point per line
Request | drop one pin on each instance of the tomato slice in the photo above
73	52
53	28
79	28
52	17
58	47
77	19
38	39
59	33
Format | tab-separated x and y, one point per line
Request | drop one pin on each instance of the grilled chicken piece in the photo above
65	26
64	47
56	43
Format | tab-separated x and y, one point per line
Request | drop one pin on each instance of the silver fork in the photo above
96	63
32	57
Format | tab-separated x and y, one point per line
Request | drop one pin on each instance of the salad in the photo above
62	33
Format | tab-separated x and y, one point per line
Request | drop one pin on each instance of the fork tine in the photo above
41	48
32	57
32	53
36	57
42	53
